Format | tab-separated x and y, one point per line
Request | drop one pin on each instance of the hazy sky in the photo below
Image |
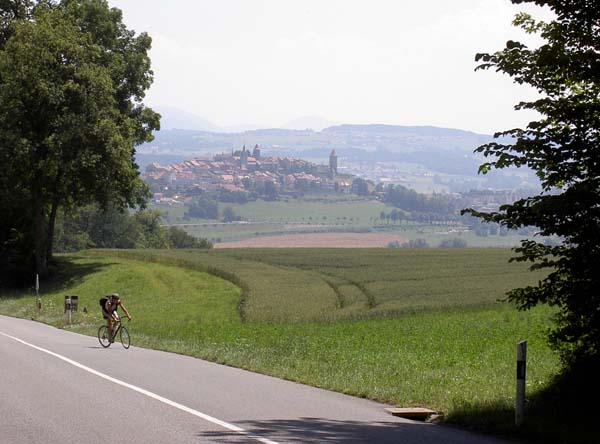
267	62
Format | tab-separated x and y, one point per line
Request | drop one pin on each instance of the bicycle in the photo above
118	329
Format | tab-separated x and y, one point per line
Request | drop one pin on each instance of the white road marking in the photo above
182	407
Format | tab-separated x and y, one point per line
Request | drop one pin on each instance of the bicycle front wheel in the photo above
103	336
125	340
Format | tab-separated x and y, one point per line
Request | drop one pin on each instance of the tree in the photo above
360	187
415	243
455	242
178	238
229	215
154	235
203	208
271	191
11	11
563	148
91	227
72	80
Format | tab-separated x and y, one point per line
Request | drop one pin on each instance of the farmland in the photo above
317	240
320	214
314	284
408	327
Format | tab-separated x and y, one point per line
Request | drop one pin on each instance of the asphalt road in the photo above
61	387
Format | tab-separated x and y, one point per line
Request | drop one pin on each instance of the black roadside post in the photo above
521	368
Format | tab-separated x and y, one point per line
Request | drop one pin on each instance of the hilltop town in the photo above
243	170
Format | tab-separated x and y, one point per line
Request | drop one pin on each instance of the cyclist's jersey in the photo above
103	302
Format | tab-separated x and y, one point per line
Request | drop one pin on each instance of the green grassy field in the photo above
306	284
319	208
404	327
319	213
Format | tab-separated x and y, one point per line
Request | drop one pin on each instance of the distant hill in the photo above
400	130
398	138
445	150
314	123
175	118
369	138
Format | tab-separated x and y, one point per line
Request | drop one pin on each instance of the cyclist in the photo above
110	305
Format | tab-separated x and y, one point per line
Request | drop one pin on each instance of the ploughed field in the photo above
408	327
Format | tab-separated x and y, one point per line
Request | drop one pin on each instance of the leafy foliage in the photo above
563	148
229	215
410	200
416	243
91	227
72	80
179	238
455	242
203	208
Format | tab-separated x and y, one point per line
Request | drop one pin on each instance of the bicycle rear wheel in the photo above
125	340
103	336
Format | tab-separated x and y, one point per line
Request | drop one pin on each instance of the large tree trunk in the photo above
39	234
50	234
52	217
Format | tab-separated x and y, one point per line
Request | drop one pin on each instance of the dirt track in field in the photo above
316	240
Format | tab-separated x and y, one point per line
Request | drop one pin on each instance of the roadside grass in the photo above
458	360
161	296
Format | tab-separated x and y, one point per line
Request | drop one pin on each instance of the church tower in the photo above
256	152
333	162
244	157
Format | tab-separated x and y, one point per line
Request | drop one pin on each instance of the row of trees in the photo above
91	227
455	242
410	200
72	81
206	208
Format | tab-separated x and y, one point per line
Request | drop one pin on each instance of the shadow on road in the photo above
318	430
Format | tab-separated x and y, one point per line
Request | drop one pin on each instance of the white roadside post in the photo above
68	309
71	305
521	367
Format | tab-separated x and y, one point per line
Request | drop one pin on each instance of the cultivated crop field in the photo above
407	327
314	284
317	240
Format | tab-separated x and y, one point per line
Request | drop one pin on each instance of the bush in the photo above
203	208
179	238
416	243
453	243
